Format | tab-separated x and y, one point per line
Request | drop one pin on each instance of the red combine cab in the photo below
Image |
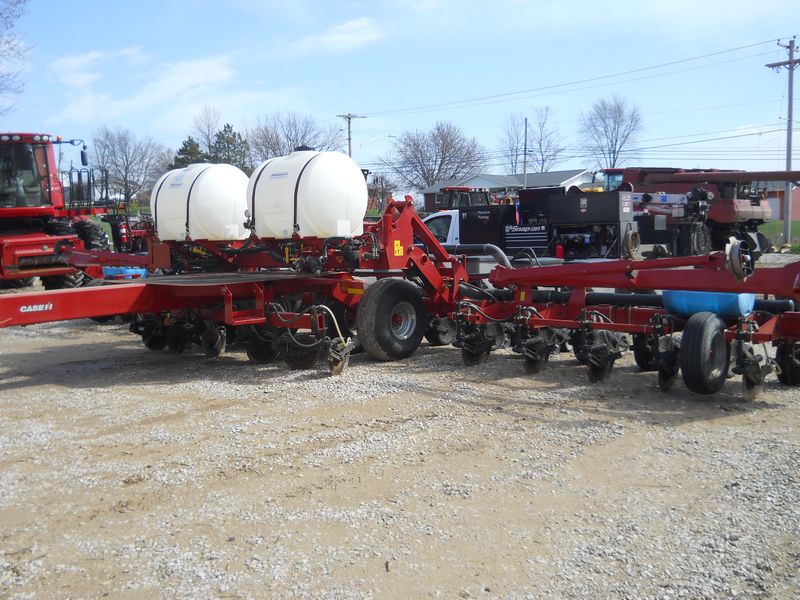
718	205
42	210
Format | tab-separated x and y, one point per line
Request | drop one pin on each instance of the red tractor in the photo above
716	205
42	211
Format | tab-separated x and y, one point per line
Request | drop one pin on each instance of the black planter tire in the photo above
391	319
788	358
471	358
535	365
666	378
437	337
705	355
213	340
178	339
261	352
598	373
642	354
577	340
153	338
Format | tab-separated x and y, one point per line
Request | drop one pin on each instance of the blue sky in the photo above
151	66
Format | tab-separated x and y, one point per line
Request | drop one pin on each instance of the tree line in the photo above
416	159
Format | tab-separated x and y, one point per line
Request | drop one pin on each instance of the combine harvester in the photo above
279	263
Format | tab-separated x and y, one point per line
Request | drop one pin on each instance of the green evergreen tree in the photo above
232	148
189	153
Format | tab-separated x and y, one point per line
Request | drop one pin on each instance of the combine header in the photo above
283	266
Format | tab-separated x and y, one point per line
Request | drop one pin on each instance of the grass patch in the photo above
774	231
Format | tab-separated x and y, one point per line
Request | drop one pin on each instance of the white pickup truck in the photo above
444	226
484	253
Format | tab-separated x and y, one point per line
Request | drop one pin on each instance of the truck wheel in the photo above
391	319
788	359
705	354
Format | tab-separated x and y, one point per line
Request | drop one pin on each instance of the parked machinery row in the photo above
280	265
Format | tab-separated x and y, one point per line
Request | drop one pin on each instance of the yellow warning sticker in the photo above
522	296
398	248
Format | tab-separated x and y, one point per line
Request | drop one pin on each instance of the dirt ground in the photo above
128	473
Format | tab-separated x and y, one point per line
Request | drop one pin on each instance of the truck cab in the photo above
444	226
457	197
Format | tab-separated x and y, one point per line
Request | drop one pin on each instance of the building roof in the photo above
513	182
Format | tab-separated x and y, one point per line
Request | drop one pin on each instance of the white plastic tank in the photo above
316	194
211	197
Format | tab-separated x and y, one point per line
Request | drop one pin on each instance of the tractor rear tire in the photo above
705	355
391	319
92	235
63	282
13	284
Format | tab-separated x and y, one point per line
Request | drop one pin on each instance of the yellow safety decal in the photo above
522	296
398	248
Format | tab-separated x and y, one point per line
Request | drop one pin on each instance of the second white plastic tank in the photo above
210	198
316	194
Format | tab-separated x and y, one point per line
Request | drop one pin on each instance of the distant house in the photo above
507	185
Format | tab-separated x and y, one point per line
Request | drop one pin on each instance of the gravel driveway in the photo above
130	474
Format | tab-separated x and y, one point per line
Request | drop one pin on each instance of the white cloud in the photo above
159	99
341	38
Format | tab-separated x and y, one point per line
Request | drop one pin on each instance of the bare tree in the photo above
544	148
12	52
512	143
133	163
206	125
380	189
609	127
421	158
280	133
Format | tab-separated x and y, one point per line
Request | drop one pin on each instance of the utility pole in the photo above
349	118
790	65
525	157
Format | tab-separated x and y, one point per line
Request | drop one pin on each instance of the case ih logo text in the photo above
29	308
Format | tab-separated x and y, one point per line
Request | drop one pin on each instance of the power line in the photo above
479	100
349	118
790	65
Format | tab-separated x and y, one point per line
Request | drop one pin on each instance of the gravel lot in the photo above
129	473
